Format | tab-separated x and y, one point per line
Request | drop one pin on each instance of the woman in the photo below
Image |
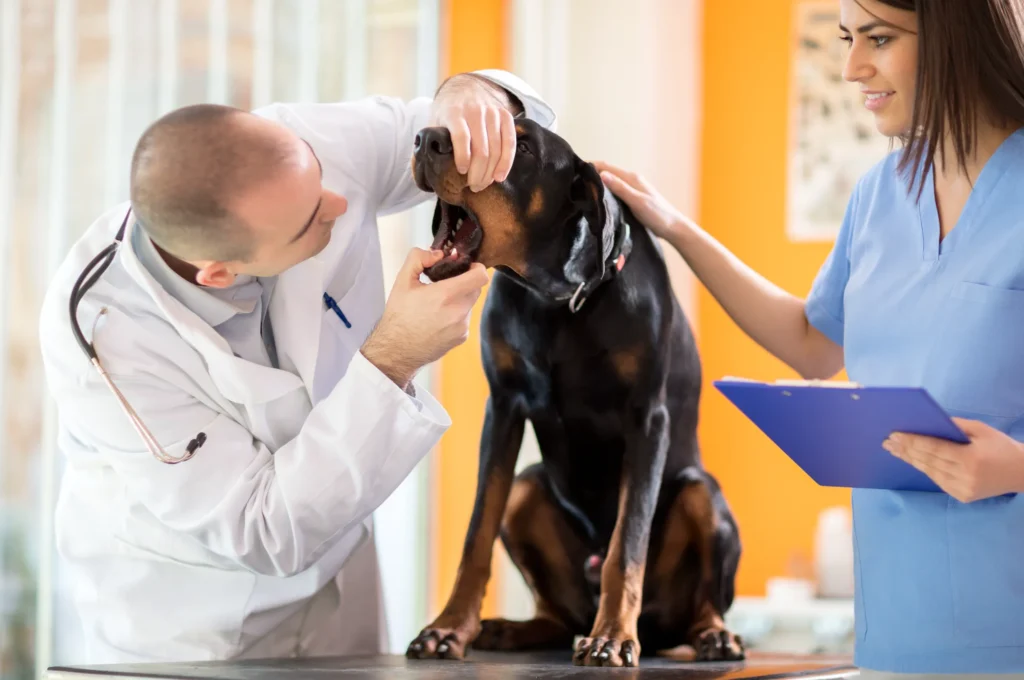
924	286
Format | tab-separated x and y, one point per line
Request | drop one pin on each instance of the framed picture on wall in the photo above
833	139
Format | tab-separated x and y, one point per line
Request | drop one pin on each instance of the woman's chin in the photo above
891	126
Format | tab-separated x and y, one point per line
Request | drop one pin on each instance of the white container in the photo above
833	552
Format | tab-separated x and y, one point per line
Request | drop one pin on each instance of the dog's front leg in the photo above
613	638
451	633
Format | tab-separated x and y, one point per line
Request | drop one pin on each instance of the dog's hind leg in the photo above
693	568
550	555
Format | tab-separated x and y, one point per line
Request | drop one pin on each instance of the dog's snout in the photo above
433	141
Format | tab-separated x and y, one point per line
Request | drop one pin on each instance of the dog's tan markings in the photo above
615	627
627	363
530	531
536	204
692	521
505	358
675	538
504	241
520	130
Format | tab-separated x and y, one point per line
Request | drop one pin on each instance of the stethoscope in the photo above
85	281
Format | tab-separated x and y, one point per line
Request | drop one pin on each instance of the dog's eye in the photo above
523	147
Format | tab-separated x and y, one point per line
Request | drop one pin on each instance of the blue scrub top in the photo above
939	583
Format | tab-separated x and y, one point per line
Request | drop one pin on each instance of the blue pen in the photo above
331	304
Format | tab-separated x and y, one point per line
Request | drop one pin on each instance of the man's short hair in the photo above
186	169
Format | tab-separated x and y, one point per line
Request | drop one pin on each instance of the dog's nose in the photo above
433	141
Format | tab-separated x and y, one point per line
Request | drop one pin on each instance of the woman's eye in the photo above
880	40
846	39
523	147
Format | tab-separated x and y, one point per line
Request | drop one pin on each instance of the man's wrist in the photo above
385	360
462	83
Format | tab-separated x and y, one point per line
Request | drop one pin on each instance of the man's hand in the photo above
991	465
422	322
478	114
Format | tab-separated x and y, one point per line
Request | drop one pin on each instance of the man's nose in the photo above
435	141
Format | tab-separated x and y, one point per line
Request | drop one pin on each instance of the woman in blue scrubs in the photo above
924	286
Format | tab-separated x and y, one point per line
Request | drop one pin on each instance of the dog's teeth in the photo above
455	252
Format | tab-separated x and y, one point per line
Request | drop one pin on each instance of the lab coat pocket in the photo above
337	347
985	556
976	361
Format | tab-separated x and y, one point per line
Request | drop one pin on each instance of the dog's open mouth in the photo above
458	236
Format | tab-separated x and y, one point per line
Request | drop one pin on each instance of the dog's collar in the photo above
613	264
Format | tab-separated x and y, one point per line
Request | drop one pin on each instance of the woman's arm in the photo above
772	317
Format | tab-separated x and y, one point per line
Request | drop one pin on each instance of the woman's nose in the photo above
857	67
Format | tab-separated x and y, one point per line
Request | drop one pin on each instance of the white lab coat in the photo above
236	553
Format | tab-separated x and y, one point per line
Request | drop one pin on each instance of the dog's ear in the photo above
587	195
592	238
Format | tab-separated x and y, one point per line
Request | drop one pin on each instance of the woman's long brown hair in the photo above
970	64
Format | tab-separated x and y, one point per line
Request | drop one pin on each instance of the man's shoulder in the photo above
113	315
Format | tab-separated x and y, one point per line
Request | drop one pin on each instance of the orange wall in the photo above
742	199
479	29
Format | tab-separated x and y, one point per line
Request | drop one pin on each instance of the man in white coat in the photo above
244	321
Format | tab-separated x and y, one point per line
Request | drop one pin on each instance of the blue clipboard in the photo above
834	431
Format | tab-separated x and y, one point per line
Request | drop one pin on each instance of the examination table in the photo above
482	665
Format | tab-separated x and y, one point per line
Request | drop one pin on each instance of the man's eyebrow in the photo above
309	222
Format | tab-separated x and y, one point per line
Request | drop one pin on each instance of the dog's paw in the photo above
439	641
719	645
511	636
607	651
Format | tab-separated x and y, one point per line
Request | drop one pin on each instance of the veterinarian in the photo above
922	289
268	399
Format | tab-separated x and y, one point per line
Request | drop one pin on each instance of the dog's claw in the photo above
605	651
719	645
443	642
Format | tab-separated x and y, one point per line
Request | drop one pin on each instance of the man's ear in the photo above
587	195
214	275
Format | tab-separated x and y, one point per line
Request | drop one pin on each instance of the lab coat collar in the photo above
242	381
208	307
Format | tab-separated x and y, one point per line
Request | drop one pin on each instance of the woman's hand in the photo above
992	464
649	206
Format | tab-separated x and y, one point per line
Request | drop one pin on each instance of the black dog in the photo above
620	533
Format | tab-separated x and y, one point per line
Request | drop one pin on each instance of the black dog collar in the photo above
613	264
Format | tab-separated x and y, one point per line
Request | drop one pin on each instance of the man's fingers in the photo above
461	136
416	261
478	145
493	121
508	145
468	283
